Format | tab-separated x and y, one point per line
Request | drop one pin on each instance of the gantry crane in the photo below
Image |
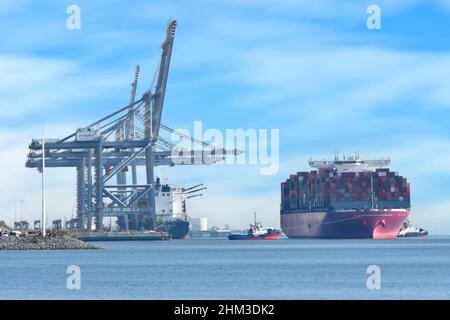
127	138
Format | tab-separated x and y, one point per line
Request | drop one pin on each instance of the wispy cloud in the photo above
21	183
33	85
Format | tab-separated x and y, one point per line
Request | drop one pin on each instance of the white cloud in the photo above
32	85
354	77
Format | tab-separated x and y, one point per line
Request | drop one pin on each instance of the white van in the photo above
15	233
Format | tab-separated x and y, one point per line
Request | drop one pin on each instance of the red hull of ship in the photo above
370	224
250	237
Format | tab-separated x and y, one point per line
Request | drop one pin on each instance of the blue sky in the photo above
309	68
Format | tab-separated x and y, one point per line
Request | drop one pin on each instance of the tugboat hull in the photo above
251	237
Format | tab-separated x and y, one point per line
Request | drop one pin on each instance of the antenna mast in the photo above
371	191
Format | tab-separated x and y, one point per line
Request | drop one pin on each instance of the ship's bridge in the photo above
350	164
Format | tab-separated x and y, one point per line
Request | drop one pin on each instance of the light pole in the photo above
43	184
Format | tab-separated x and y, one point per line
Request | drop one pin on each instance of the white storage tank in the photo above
199	224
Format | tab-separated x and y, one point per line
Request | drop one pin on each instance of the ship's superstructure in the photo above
345	198
170	202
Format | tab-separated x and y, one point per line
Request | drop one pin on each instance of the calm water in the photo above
223	269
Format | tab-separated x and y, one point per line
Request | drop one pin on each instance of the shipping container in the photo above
313	189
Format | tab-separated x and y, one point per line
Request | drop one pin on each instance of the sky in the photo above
310	68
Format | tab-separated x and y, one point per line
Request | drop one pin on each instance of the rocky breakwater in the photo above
36	242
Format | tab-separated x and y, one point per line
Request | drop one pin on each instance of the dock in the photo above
122	236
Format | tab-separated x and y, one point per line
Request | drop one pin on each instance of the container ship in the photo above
344	199
170	205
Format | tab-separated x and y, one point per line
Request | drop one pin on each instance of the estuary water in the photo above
223	269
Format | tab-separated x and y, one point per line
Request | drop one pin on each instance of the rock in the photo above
35	242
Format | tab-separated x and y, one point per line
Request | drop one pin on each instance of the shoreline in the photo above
44	243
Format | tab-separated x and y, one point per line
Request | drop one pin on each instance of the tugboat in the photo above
409	231
257	232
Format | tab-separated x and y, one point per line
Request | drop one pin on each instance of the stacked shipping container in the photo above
330	190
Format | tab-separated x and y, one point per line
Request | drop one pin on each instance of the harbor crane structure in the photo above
105	150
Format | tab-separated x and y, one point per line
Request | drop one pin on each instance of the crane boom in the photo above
160	90
193	187
196	190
